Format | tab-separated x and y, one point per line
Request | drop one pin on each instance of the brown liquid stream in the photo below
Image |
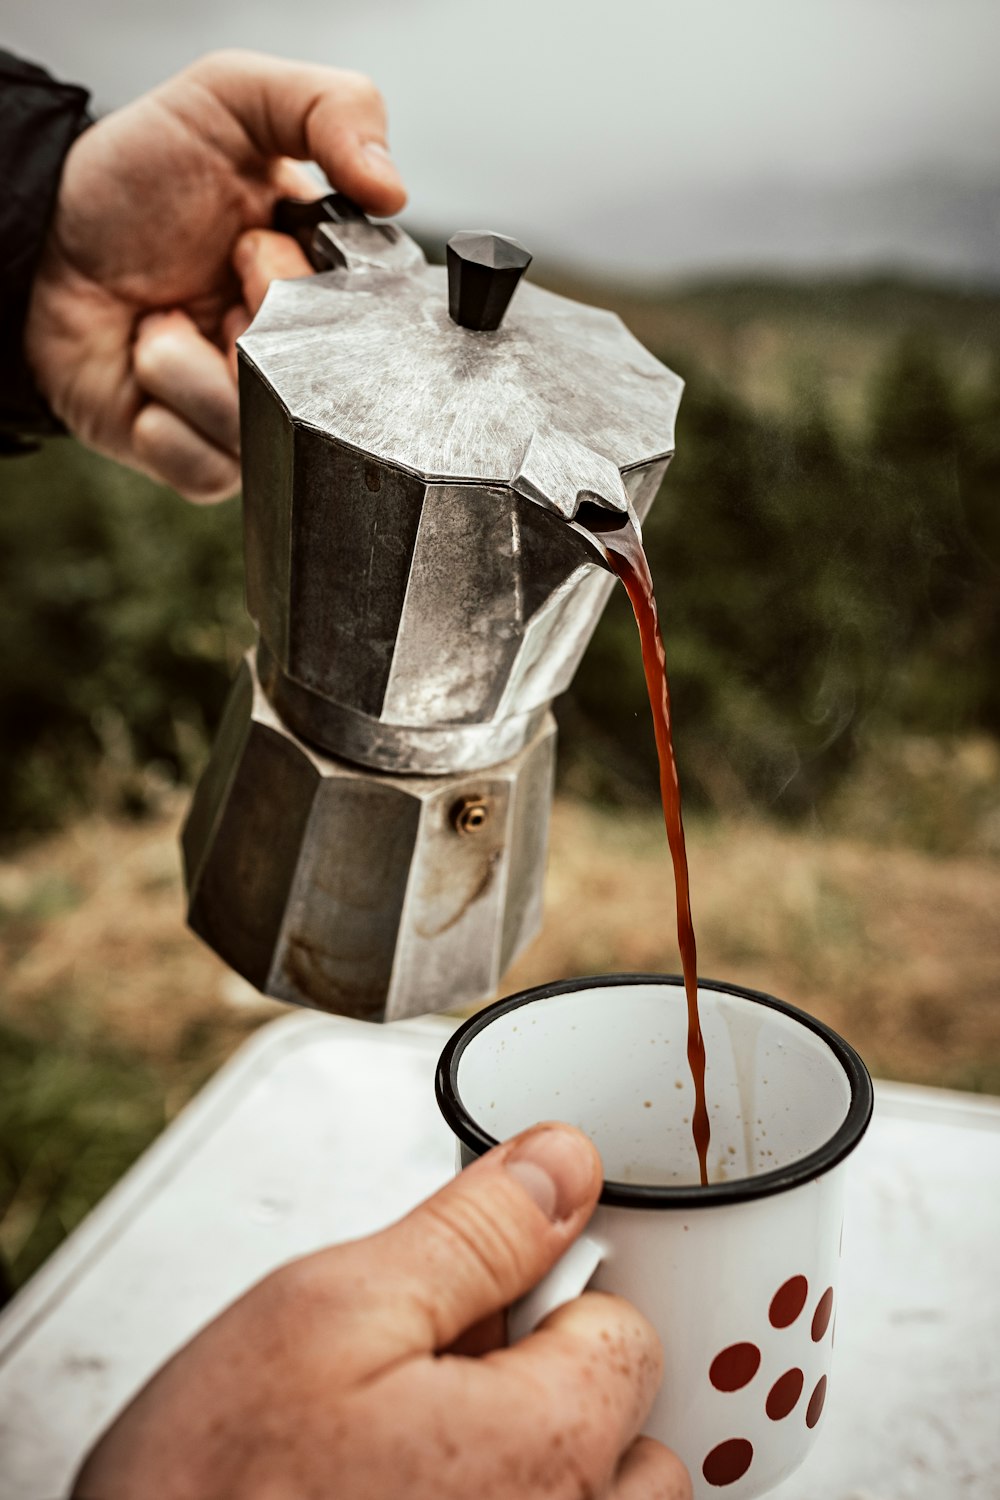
625	553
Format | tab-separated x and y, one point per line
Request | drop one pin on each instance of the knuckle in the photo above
361	89
221	60
207	494
159	445
487	1244
146	430
301	1287
673	1481
206	491
663	1474
148	358
680	1479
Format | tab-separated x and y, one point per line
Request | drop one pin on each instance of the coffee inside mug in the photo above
609	1055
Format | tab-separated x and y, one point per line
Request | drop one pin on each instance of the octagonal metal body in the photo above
359	892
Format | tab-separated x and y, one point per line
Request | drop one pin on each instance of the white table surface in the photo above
322	1129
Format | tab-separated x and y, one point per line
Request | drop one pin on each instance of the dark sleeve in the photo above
39	121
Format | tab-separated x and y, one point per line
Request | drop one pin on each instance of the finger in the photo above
236	321
649	1471
169	449
261	256
603	1363
179	368
482	1241
312	113
293	180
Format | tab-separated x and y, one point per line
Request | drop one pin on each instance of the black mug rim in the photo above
637	1195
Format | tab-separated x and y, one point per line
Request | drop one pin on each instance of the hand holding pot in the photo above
152	201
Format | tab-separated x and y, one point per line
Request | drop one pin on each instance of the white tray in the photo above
321	1129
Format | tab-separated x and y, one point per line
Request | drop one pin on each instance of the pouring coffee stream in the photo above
626	556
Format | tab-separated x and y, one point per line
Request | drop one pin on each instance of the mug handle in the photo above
568	1278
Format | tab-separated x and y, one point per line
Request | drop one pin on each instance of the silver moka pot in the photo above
422	450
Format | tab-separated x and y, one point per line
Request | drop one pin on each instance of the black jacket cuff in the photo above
39	121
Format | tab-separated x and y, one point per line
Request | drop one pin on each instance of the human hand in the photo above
376	1369
152	203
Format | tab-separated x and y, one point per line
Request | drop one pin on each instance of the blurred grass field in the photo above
827	559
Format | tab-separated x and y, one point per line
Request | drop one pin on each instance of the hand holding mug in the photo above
377	1369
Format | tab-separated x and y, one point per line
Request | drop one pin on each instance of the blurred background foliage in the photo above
826	551
825	582
122	613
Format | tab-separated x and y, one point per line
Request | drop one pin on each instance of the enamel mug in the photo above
739	1277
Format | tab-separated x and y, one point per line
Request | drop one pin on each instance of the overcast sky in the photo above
638	133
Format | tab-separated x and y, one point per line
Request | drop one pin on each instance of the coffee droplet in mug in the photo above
735	1367
788	1301
784	1394
728	1462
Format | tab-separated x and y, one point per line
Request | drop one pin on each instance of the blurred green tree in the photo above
931	456
979	492
810	587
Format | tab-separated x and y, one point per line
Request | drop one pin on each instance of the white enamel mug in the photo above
739	1277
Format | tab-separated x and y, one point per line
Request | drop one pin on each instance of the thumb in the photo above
486	1238
312	113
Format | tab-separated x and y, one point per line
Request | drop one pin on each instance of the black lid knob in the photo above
483	272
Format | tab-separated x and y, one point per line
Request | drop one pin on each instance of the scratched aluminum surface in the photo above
355	892
320	1130
407	486
371	358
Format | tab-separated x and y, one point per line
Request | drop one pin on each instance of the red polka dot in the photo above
728	1462
735	1367
815	1408
821	1317
788	1301
783	1395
